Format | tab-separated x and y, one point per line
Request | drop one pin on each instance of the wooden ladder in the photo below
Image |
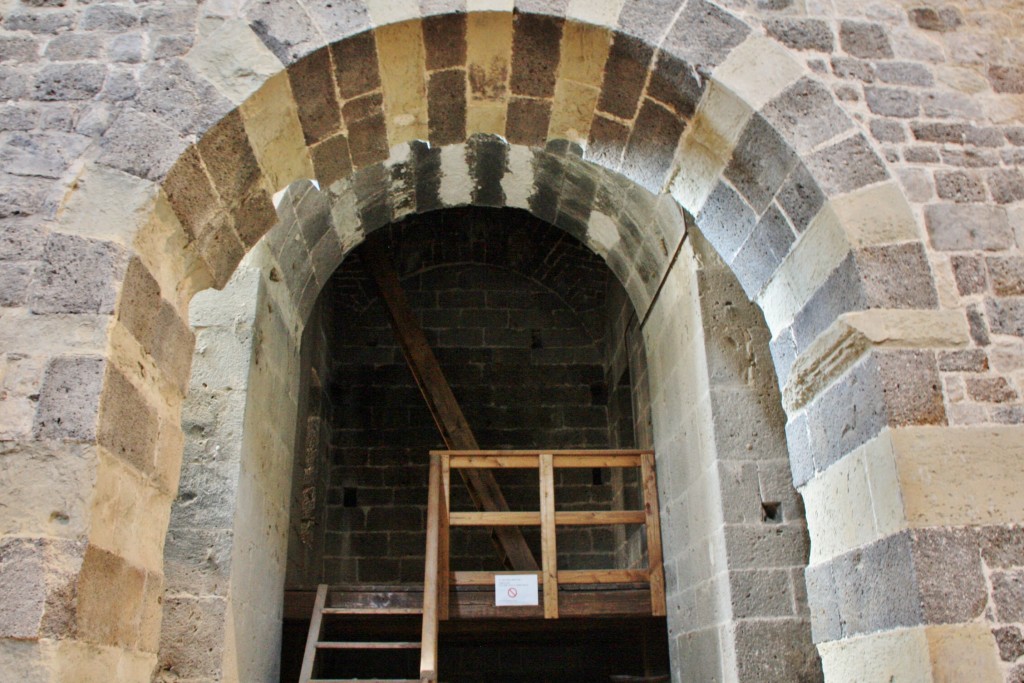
316	627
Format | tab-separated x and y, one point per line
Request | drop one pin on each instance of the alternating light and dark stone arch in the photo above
612	136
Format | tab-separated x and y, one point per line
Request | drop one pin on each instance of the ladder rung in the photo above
354	611
360	645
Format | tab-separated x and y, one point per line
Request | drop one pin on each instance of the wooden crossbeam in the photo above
447	414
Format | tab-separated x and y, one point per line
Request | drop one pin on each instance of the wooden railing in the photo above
438	578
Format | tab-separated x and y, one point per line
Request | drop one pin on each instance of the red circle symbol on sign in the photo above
512	592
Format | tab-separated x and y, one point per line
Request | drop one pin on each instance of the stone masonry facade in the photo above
854	165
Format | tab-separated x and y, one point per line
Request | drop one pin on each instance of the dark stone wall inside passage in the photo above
527	325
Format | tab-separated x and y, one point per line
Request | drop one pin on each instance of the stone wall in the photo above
513	311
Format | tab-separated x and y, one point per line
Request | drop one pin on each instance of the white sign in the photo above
515	590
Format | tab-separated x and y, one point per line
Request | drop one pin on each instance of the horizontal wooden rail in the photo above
577	518
520	452
566	577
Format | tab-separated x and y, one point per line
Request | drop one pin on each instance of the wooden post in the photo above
653	524
447	414
428	635
313	638
444	545
549	550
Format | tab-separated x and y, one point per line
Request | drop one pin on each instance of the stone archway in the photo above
781	182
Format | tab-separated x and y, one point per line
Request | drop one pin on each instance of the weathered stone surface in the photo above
1010	642
864	40
624	76
141	145
726	221
990	389
37	583
535	54
1006	79
847	165
802	34
942	19
776	650
181	98
313	86
77	275
191	193
949	575
896	276
760	163
892	102
355	65
954	227
127	423
1008	595
801	198
704	34
331	160
1006	185
69	397
652	146
444	37
528	121
960	186
284	27
110	593
59	82
676	84
192	637
229	158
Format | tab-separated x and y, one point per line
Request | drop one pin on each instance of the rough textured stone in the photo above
864	40
676	84
528	121
1007	275
141	145
1008	595
942	19
760	163
77	275
847	165
1006	185
960	186
652	146
444	37
896	276
726	221
704	34
355	65
320	114
801	198
624	76
990	389
535	55
69	398
1010	642
1006	79
127	423
59	82
949	575
892	102
802	34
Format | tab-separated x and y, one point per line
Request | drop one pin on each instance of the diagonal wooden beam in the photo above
447	414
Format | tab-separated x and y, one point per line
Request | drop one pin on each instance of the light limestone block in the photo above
963	652
602	233
164	249
490	5
707	145
572	111
104	203
757	70
456	183
883	480
855	333
51	335
600	12
837	504
401	56
517	183
392	11
234	59
488	46
956	476
899	656
45	488
271	120
878	214
584	52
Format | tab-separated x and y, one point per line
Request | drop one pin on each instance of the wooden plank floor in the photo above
477	602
